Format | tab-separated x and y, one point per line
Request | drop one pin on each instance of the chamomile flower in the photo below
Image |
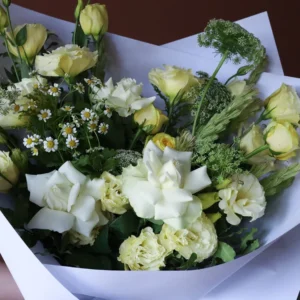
103	128
29	141
37	139
72	142
95	149
92	126
31	104
76	121
108	111
93	81
43	89
87	114
44	115
79	87
54	90
50	144
17	108
67	108
34	151
68	129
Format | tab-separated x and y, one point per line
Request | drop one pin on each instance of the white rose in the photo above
68	199
143	252
70	59
9	173
200	238
162	186
245	197
125	97
113	199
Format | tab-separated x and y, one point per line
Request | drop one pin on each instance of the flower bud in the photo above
94	20
151	118
163	140
78	9
3	19
237	87
36	37
6	3
20	159
244	70
9	173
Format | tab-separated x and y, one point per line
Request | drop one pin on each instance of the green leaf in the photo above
8	214
225	252
262	169
191	261
253	246
101	245
247	238
21	36
29	239
81	38
21	210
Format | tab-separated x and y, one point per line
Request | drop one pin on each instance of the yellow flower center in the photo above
35	151
166	142
90	81
67	108
17	108
72	143
44	115
50	144
103	129
93	126
35	86
29	141
68	130
87	114
54	89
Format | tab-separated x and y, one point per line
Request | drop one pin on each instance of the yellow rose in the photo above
150	117
163	140
172	80
253	140
284	105
3	19
282	139
9	173
36	38
71	60
94	20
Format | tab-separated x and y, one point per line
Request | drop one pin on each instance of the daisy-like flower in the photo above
76	121
50	145
79	87
43	89
37	139
72	142
29	141
44	115
76	154
67	108
103	128
34	151
108	111
17	108
92	126
93	81
54	90
68	129
87	114
31	104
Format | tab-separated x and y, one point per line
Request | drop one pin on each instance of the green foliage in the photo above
280	180
189	263
262	169
176	262
101	245
21	36
225	252
256	73
184	141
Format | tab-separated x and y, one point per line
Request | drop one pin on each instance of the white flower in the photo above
44	115
67	108
68	199
108	111
17	108
143	252
34	151
86	114
29	141
125	98
50	145
113	199
103	128
245	197
79	87
92	82
37	139
199	238
162	185
9	170
54	90
68	129
72	142
92	126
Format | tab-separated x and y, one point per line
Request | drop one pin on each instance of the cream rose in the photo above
143	252
68	60
9	173
172	80
243	197
69	199
199	238
284	105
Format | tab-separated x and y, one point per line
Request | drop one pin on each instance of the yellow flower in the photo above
284	105
172	80
94	20
163	140
36	38
9	173
282	139
3	19
70	59
151	118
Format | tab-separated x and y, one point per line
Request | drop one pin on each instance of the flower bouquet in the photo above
107	181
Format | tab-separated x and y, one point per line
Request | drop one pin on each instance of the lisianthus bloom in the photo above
245	197
199	238
282	139
9	173
125	97
162	185
284	105
172	80
69	199
70	59
143	252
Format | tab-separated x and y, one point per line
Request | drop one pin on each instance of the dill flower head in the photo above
126	158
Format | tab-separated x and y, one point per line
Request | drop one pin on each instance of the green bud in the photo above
214	217
6	3
20	159
244	70
223	184
208	199
78	9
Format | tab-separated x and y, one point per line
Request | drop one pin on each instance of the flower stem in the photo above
61	157
137	135
231	77
75	31
212	78
170	116
256	151
99	145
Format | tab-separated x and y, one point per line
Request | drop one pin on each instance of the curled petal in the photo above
197	180
84	207
73	175
86	227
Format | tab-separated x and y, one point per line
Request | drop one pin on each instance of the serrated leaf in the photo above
225	252
21	36
247	238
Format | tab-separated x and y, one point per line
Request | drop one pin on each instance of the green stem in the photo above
11	58
170	116
87	137
63	99
231	77
256	151
137	135
61	157
99	145
75	31
212	78
5	178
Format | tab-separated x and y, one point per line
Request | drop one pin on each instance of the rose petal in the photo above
86	227
166	210
151	147
197	180
139	104
177	195
84	207
73	195
94	188
71	173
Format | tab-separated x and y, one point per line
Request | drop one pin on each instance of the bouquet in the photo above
105	180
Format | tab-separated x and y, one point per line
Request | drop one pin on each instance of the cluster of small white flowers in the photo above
95	149
44	115
54	90
31	141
